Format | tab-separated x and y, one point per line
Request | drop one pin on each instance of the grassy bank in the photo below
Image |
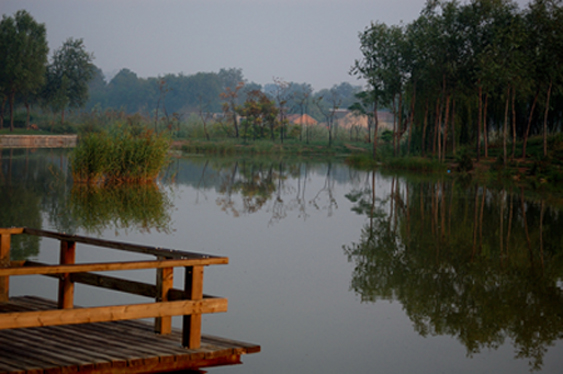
535	172
266	147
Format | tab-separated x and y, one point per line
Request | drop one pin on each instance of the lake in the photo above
331	269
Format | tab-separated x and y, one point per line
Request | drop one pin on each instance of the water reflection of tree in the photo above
476	264
276	187
24	178
141	207
36	185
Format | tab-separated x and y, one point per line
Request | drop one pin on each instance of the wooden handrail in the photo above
163	252
15	320
190	302
109	266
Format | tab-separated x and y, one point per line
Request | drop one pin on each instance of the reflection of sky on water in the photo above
288	280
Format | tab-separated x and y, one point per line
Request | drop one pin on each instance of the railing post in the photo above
66	286
193	287
4	263
164	282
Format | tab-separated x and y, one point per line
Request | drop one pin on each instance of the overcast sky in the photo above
305	41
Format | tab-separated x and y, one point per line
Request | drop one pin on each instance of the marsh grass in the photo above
119	156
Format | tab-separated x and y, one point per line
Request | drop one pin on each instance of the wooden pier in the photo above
42	336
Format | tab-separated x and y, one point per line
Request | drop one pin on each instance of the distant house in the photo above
346	119
304	120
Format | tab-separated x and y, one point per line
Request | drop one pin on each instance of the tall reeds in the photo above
119	156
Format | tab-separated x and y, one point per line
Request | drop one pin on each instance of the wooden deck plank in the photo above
50	356
123	347
46	336
8	365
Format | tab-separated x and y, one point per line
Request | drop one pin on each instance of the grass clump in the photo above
119	156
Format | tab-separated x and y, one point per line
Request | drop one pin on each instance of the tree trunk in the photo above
545	119
486	126
453	127
12	94
411	120
329	122
501	226
394	127
399	123
527	133
513	123
63	116
423	147
375	128
446	117
436	125
439	131
27	119
504	128
479	122
235	122
2	111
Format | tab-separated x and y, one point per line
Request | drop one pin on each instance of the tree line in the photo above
226	93
26	75
468	74
70	80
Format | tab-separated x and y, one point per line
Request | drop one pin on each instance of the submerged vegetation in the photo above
119	156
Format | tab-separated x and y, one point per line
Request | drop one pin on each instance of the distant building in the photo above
346	119
304	120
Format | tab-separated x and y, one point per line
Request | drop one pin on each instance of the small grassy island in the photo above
120	155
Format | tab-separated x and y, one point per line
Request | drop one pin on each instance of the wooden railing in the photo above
189	302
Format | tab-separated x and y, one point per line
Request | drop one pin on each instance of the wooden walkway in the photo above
43	336
105	347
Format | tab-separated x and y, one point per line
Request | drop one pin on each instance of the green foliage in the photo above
23	43
119	157
387	136
466	60
68	76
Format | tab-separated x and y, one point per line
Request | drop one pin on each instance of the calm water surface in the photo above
331	270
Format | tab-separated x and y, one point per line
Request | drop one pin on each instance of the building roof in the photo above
304	119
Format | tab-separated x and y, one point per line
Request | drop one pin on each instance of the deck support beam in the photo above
193	287
66	285
164	283
4	263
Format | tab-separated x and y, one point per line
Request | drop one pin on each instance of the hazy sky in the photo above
312	41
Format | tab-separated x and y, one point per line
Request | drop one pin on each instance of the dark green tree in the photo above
372	67
23	58
68	76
